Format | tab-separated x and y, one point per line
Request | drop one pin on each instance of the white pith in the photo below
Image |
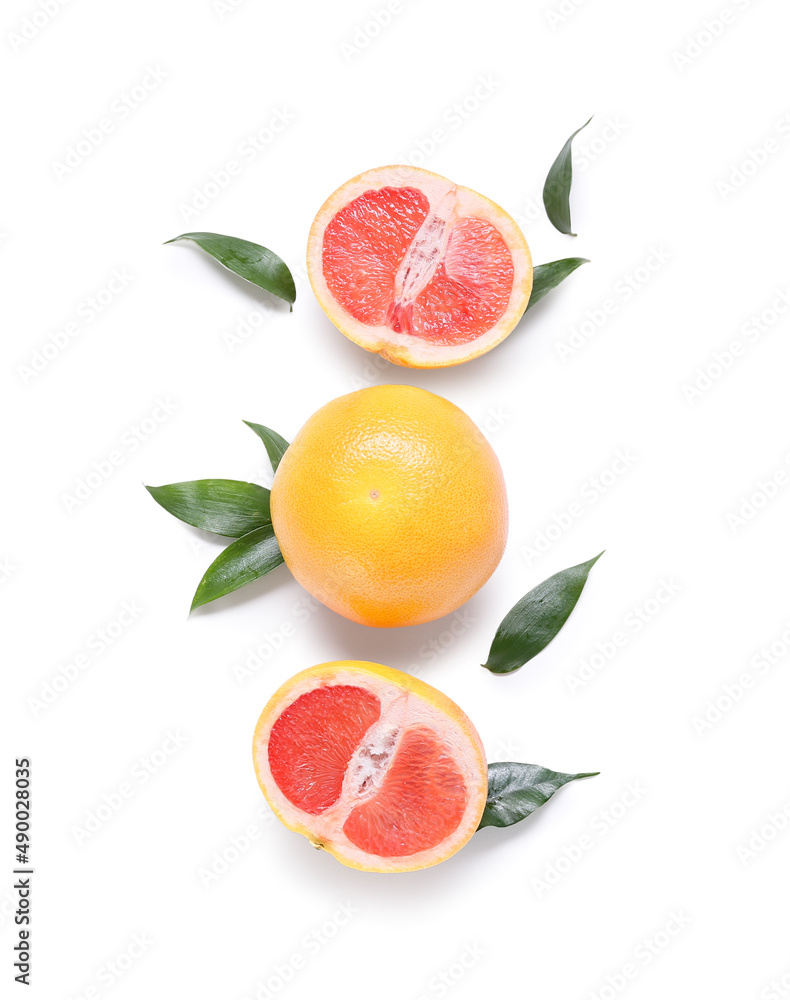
368	767
400	710
426	252
403	348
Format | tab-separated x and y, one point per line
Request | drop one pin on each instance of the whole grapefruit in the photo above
390	506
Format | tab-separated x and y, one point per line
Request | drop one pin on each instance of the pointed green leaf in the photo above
224	506
249	260
548	276
517	790
248	558
557	189
275	445
532	623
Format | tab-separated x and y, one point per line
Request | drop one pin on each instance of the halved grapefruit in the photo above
372	765
418	269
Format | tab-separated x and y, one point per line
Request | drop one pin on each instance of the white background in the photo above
557	424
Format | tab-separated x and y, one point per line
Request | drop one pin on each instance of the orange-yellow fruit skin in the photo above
390	506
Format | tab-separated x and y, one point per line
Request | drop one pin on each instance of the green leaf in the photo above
517	790
276	446
224	506
248	558
249	260
532	623
557	189
548	276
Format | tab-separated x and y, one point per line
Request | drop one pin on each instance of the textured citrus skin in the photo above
390	506
452	725
462	314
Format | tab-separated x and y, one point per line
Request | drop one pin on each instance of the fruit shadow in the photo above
520	348
411	648
395	893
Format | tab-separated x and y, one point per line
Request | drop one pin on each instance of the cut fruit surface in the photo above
423	271
376	767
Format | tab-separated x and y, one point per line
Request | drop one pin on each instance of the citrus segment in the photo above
313	741
421	270
376	767
469	291
421	801
364	245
